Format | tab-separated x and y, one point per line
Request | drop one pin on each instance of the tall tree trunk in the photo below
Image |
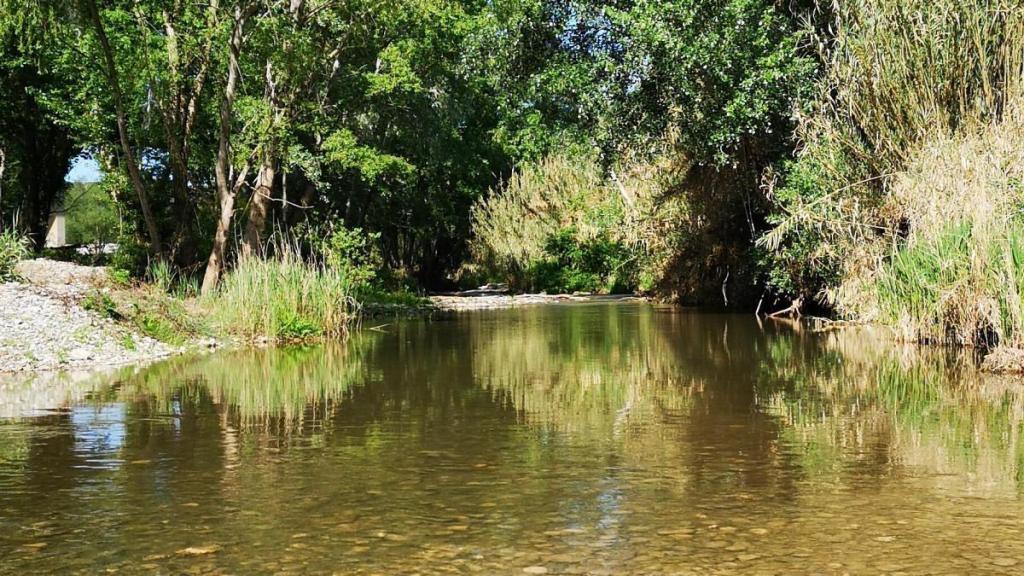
3	165
226	190
259	206
134	174
178	111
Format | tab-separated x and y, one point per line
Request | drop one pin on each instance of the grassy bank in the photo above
903	204
294	291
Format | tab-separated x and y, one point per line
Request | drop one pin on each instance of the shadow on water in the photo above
576	437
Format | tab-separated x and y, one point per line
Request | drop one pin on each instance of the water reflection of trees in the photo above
584	368
853	397
513	423
734	402
293	387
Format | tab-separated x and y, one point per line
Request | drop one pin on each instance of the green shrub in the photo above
101	303
350	252
559	226
819	222
574	265
159	328
13	249
131	257
964	286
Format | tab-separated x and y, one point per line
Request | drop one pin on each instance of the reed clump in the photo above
903	203
284	296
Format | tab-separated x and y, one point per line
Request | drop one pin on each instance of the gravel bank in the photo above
457	303
43	326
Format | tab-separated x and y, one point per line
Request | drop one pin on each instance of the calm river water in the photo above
575	439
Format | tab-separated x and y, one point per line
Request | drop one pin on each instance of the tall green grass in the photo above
962	287
13	248
284	297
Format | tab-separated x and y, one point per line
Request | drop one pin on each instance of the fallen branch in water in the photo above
827	324
792	310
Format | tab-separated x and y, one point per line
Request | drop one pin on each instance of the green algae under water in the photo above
560	439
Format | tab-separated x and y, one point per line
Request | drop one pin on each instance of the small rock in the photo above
199	550
535	570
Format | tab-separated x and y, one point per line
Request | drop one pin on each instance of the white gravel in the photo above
458	302
43	326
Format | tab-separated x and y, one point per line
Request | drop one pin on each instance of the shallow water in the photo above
572	439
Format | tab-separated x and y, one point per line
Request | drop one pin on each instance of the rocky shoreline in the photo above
45	327
49	320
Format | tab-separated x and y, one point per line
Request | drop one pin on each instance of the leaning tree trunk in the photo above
134	174
226	190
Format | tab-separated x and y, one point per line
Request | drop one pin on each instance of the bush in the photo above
513	226
572	265
905	81
962	287
351	252
13	249
560	226
131	259
284	297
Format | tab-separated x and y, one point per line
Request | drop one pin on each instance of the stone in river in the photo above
199	550
535	570
1005	562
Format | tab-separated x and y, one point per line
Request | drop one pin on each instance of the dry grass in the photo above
910	171
512	226
902	72
959	273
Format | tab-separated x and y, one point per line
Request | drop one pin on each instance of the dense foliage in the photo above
715	151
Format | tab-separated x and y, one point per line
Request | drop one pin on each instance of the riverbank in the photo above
67	317
46	327
465	302
62	316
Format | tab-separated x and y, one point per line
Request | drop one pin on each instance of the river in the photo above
621	438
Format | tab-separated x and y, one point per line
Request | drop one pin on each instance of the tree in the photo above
36	149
